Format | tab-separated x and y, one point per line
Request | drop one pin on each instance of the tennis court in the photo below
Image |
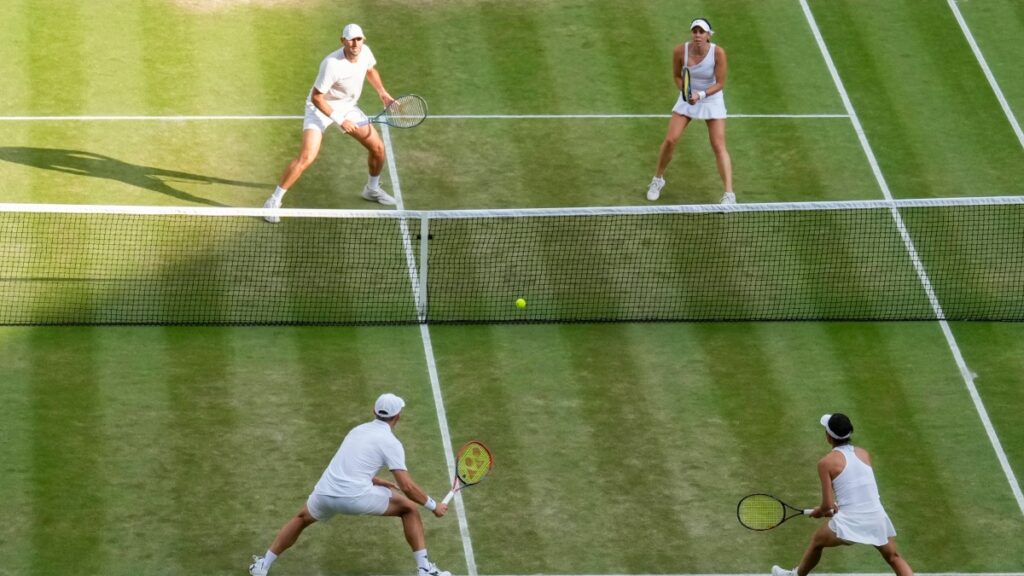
621	448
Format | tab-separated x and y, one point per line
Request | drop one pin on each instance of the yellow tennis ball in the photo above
521	303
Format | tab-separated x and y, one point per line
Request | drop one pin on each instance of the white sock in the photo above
269	558
374	181
278	194
421	558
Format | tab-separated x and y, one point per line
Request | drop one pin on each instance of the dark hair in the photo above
840	425
387	418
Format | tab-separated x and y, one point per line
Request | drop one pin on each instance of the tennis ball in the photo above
521	303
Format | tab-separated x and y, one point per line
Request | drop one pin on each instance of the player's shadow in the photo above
100	166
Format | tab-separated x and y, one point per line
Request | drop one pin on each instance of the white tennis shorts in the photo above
317	120
373	503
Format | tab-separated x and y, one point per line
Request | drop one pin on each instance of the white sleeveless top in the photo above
702	76
855	487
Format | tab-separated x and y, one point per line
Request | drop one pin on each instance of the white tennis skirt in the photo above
872	527
710	108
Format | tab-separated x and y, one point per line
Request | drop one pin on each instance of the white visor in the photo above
824	422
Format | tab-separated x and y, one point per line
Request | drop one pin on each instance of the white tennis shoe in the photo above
729	198
258	566
654	188
432	570
378	195
778	571
272	202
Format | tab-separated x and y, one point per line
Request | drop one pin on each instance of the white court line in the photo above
965	372
988	72
221	117
428	353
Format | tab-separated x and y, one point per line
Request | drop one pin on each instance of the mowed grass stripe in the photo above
70	515
55	48
623	417
137	422
115	73
481	387
14	66
900	90
16	456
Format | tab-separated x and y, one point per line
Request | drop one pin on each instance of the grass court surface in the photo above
621	449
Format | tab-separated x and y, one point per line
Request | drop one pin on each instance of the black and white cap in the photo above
388	405
837	425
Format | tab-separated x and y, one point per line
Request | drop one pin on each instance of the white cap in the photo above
842	423
388	405
703	24
352	31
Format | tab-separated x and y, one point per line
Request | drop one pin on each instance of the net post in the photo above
424	258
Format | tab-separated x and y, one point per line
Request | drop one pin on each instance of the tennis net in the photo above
960	259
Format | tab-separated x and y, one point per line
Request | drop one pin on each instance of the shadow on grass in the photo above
100	166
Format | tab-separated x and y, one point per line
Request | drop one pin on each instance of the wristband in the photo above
430	504
701	94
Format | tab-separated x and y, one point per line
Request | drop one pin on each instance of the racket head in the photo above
407	111
687	90
760	512
473	462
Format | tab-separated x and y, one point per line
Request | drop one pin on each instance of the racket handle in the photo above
808	511
448	498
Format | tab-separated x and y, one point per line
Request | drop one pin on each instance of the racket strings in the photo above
474	463
406	112
761	512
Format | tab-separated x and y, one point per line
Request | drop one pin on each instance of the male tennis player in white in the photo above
350	486
334	99
849	496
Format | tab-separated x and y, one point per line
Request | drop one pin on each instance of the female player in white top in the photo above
350	486
849	497
334	99
708	68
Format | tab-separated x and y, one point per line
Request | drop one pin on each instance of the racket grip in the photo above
448	498
808	511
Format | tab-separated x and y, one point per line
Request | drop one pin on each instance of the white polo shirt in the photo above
341	81
365	450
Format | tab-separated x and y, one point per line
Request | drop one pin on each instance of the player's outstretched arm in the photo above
410	488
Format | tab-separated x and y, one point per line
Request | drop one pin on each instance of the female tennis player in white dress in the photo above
849	497
708	67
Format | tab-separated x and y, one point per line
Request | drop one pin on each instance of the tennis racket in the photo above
472	464
764	512
687	91
406	111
